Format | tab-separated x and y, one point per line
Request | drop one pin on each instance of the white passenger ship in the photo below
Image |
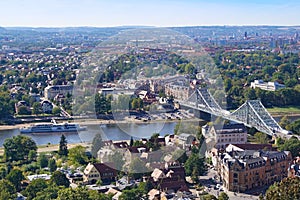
53	127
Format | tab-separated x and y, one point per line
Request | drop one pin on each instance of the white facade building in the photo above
270	86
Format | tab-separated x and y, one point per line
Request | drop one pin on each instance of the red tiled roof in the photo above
105	168
255	146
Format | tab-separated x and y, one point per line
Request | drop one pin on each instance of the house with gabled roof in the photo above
105	172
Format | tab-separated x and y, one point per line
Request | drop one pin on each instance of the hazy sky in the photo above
102	13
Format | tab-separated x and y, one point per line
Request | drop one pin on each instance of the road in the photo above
209	182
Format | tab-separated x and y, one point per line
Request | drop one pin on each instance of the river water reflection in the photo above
108	132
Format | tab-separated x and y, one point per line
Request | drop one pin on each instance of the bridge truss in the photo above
252	113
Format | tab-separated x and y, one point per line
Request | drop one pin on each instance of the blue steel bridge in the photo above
252	113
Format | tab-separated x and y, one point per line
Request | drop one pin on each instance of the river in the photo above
108	132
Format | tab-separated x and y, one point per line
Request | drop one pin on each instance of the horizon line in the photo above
151	26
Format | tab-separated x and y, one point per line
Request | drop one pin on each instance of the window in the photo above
235	175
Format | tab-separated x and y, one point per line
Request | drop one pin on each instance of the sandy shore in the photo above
10	127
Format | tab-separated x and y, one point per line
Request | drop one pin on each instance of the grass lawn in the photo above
292	110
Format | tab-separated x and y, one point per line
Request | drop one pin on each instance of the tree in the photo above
261	138
137	168
18	147
43	161
63	146
95	195
32	155
223	196
292	145
77	155
52	165
3	172
48	193
23	110
284	121
37	108
195	175
78	193
99	182
194	161
209	197
56	110
294	127
117	159
7	190
131	194
249	94
288	188
15	176
60	179
34	187
96	145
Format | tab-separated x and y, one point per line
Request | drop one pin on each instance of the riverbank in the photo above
52	147
55	147
292	111
103	122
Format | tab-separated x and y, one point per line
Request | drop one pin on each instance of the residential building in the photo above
99	171
270	86
52	90
169	178
249	169
39	176
185	138
239	147
178	90
226	134
116	91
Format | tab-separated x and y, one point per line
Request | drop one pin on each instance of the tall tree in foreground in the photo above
7	190
52	165
34	187
63	146
96	145
77	156
60	179
15	176
288	188
43	160
18	147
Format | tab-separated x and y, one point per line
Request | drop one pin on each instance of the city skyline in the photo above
163	13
